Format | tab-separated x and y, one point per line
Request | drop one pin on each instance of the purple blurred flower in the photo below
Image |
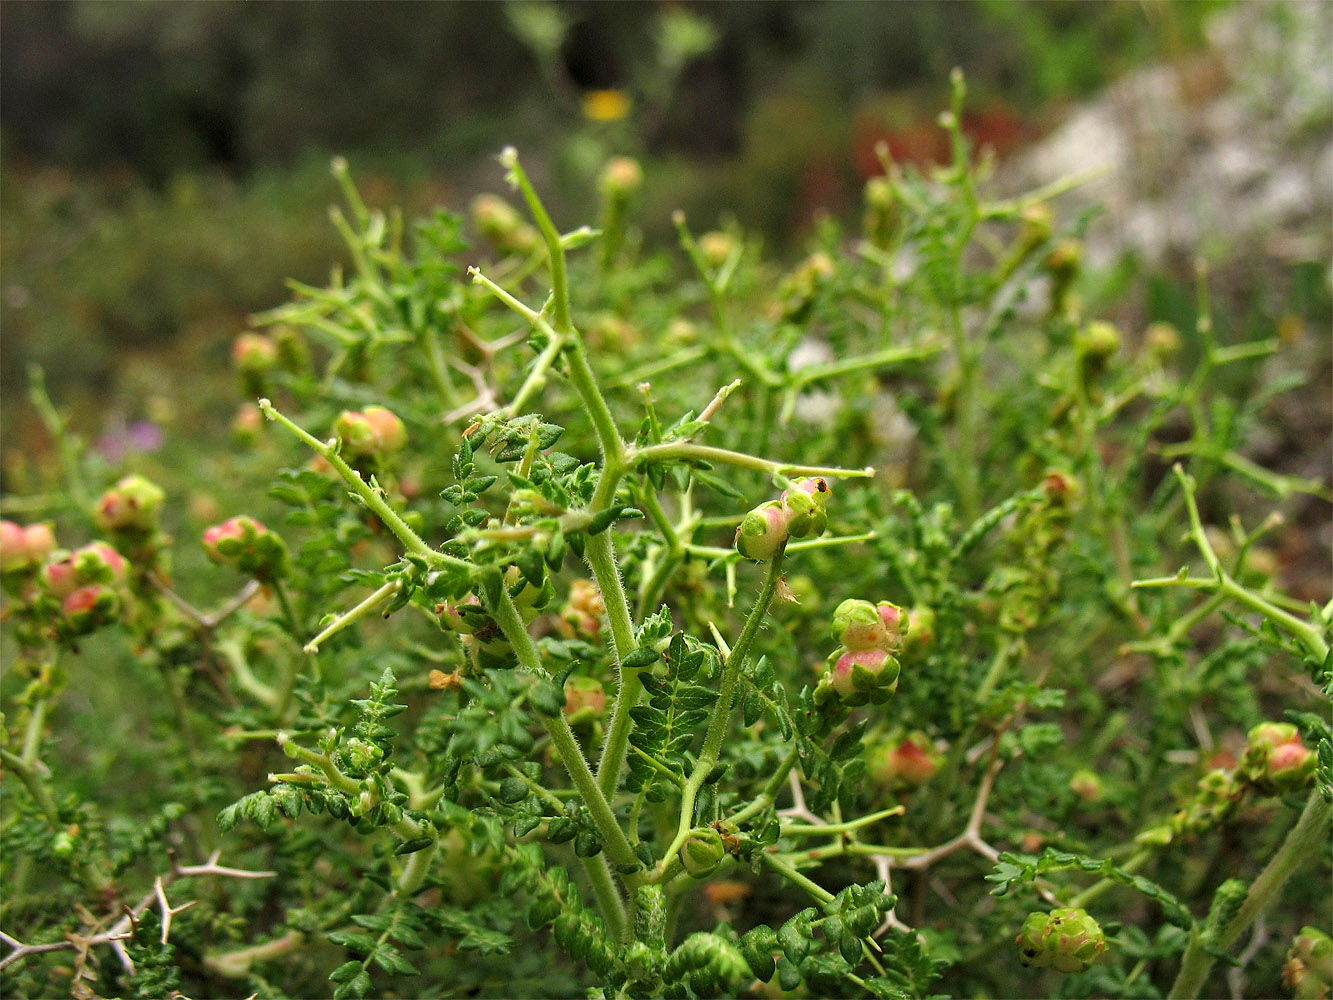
121	440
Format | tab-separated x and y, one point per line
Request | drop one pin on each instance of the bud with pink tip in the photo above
246	545
763	531
254	354
585	699
804	505
24	548
133	505
89	608
864	675
1275	761
375	432
909	761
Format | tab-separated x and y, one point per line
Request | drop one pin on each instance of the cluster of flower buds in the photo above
903	762
798	513
1275	761
24	549
1066	939
133	507
865	668
375	432
582	615
88	583
246	545
1308	970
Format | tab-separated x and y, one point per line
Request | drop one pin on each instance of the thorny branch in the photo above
123	929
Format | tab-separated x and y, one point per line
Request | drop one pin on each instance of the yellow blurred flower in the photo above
606	105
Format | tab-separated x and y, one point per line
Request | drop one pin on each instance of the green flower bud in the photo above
1161	341
1066	939
1087	785
134	505
804	504
880	218
716	247
356	433
1308	970
499	222
702	852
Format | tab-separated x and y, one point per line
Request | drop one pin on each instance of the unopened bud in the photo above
500	223
762	532
804	504
1275	761
1162	341
24	548
133	505
254	354
1087	785
246	545
1066	939
906	762
716	247
585	699
702	852
621	177
1308	970
864	675
89	608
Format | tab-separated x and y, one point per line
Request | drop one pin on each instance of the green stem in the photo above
721	718
372	499
837	829
684	451
237	964
93	879
345	619
566	745
609	901
1303	843
788	871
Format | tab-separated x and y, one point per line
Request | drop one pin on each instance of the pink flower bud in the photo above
390	434
1275	761
23	548
246	545
585	699
133	504
356	433
909	761
105	561
762	532
859	671
253	353
88	608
